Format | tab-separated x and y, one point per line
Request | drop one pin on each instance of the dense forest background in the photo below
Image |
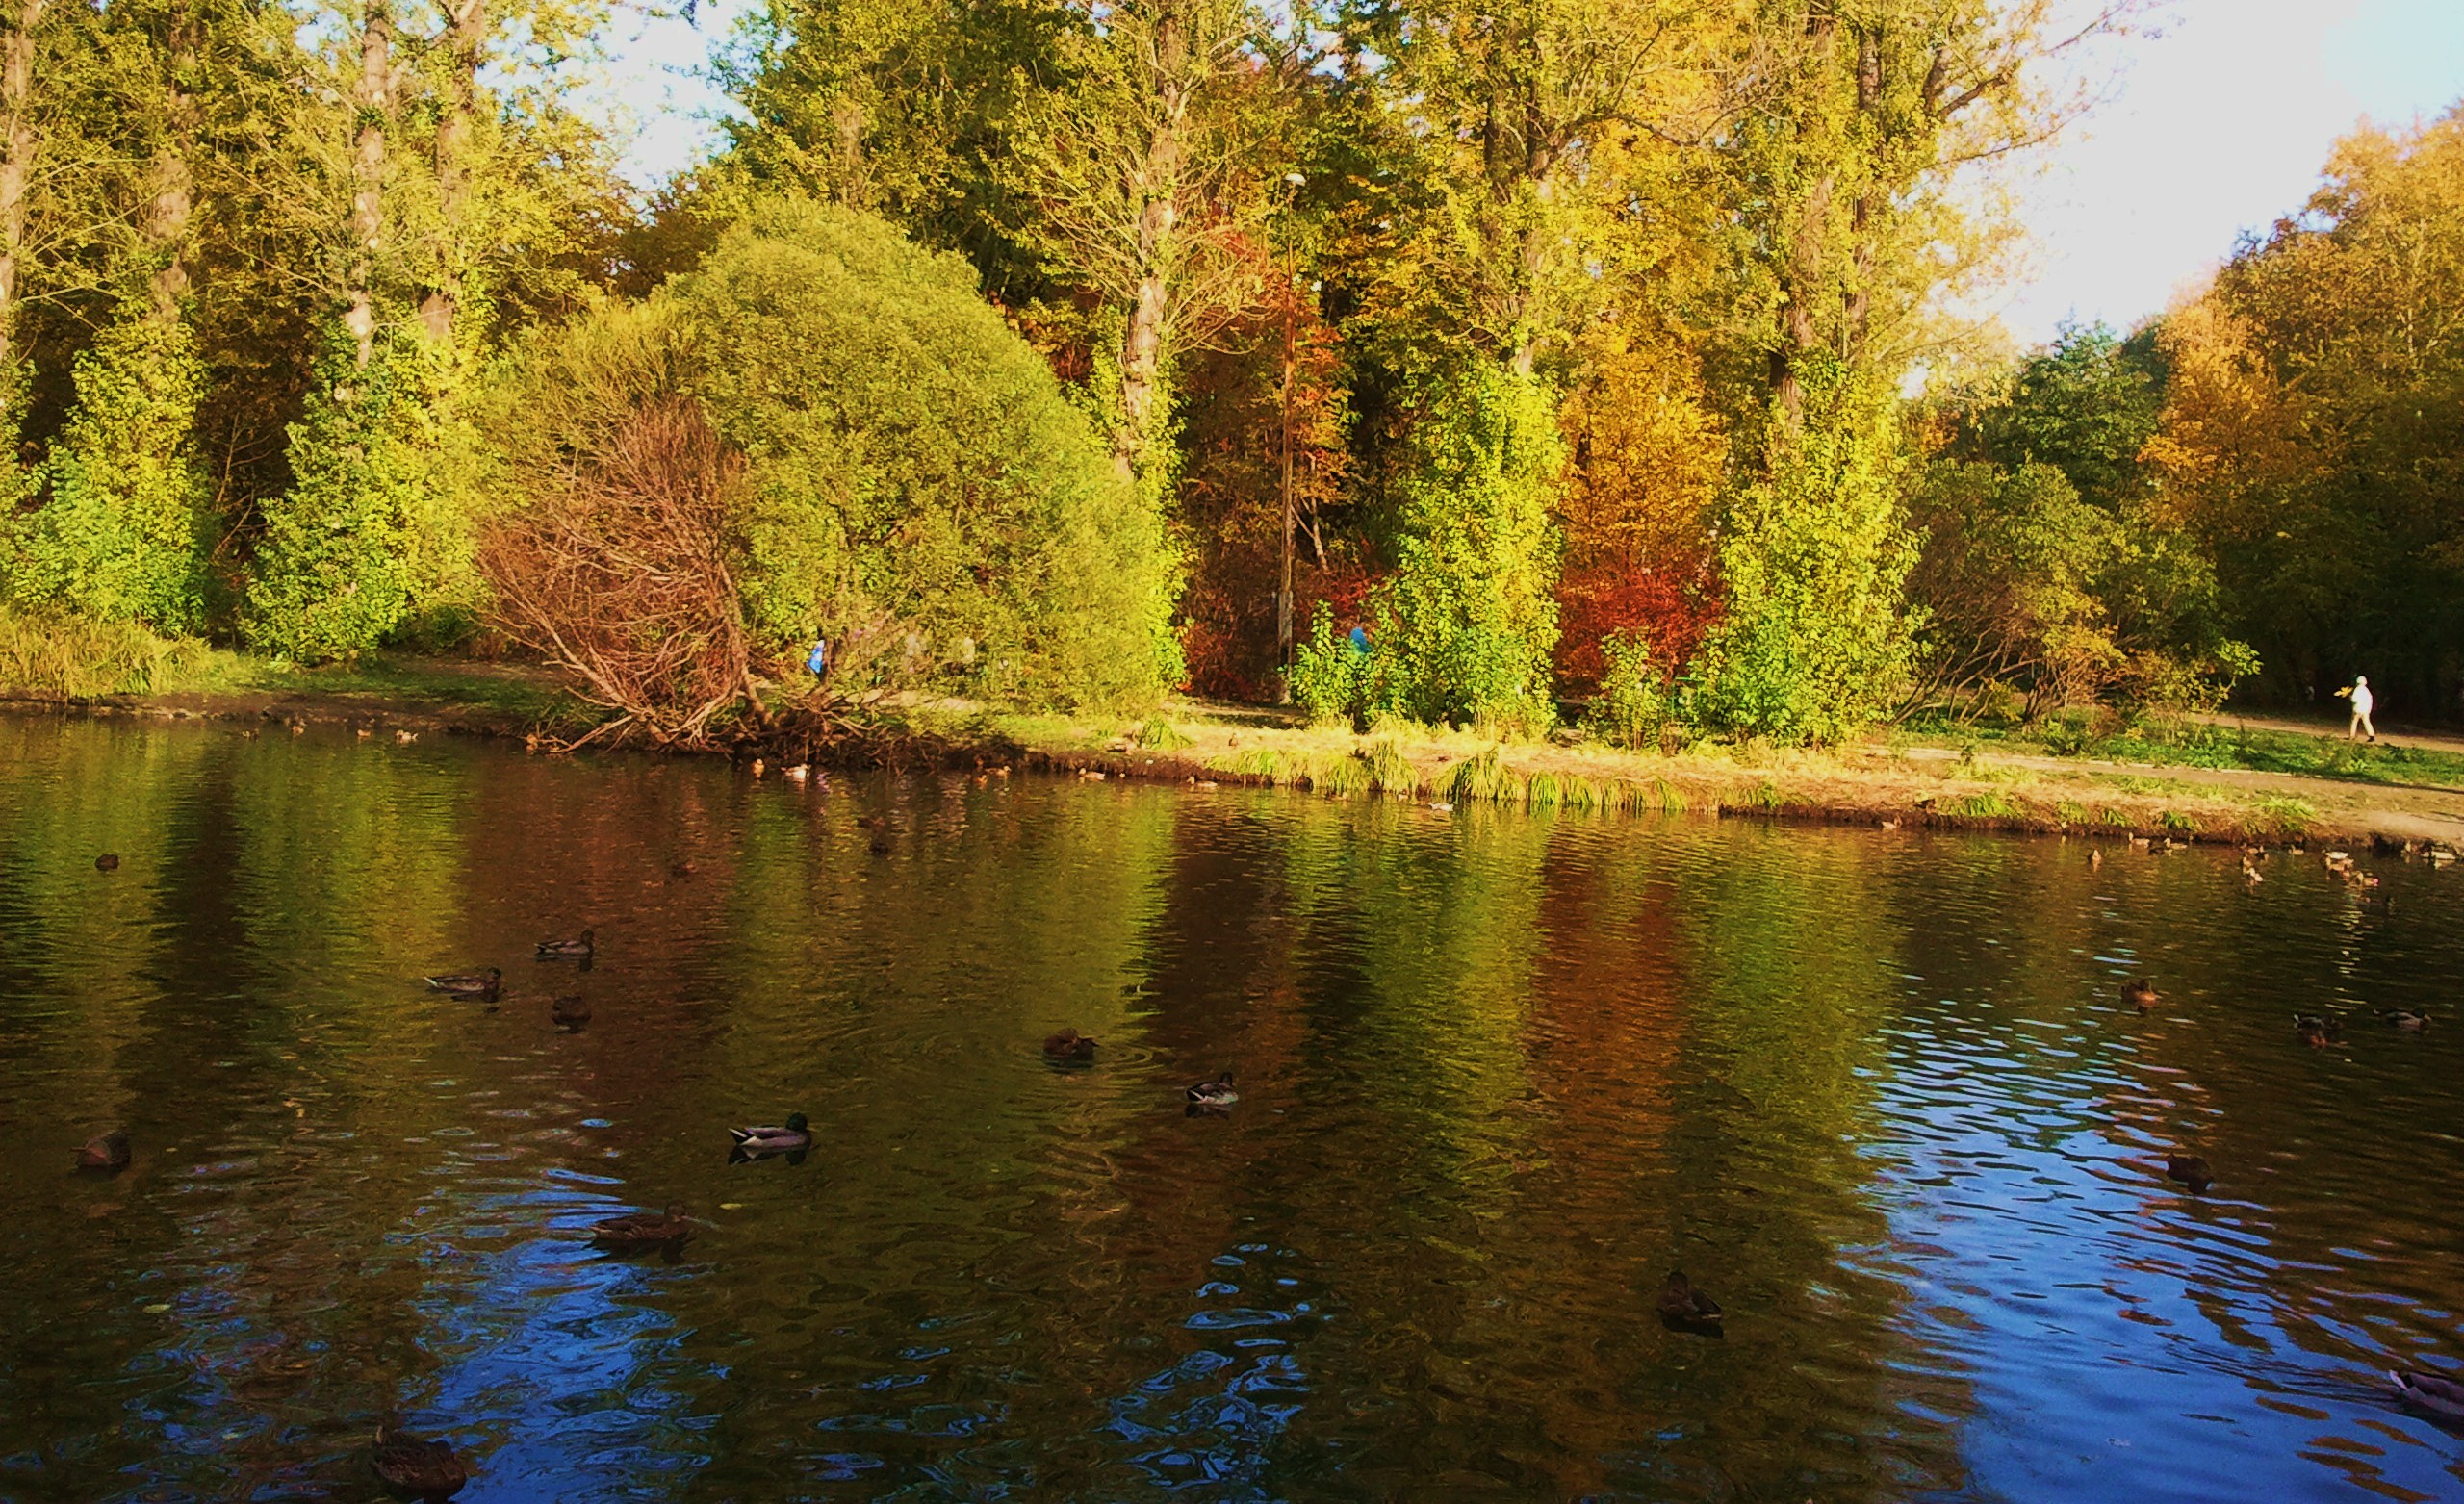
1058	352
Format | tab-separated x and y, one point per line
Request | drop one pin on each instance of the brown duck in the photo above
2140	993
637	1231
1684	1309
422	1469
1068	1045
2192	1170
570	1013
108	1152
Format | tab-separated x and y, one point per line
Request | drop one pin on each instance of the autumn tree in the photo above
2313	436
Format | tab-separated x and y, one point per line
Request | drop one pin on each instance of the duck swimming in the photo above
1684	1309
570	1013
636	1231
106	1152
2316	1030
2404	1018
2140	993
2434	1393
482	985
578	949
2191	1170
1068	1045
1216	1093
423	1470
754	1143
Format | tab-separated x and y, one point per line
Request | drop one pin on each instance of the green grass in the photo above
48	655
2195	744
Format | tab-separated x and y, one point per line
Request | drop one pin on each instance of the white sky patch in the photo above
2218	127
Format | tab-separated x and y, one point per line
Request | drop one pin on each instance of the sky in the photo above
2217	125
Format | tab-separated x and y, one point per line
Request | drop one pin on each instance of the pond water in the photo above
1877	1092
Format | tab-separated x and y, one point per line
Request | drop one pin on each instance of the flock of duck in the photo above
2434	1394
430	1469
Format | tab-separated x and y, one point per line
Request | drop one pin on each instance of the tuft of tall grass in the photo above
1339	776
1484	779
2281	817
63	655
1986	806
1256	762
1391	771
1161	735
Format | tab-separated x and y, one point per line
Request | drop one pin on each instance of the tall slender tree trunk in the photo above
373	99
457	140
175	178
17	148
1158	186
1803	273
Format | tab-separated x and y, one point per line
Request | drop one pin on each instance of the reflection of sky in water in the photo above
2122	1337
566	1347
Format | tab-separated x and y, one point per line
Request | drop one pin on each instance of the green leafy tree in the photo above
1465	625
1815	637
122	537
349	549
915	486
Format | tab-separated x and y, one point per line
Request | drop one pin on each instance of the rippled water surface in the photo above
1876	1091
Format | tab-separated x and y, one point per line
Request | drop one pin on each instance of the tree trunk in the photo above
1158	186
17	148
455	137
173	177
1797	329
373	97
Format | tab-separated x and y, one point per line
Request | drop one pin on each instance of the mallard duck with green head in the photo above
795	1136
1214	1095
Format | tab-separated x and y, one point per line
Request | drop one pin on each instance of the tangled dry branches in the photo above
618	570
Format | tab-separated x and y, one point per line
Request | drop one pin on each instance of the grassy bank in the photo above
1879	784
2205	783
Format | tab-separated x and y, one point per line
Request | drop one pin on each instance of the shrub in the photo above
621	575
914	485
122	538
1329	677
1633	702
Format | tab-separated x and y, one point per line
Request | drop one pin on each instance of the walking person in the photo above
2361	707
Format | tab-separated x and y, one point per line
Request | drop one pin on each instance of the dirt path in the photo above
2423	740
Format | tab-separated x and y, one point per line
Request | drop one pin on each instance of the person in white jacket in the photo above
2361	706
